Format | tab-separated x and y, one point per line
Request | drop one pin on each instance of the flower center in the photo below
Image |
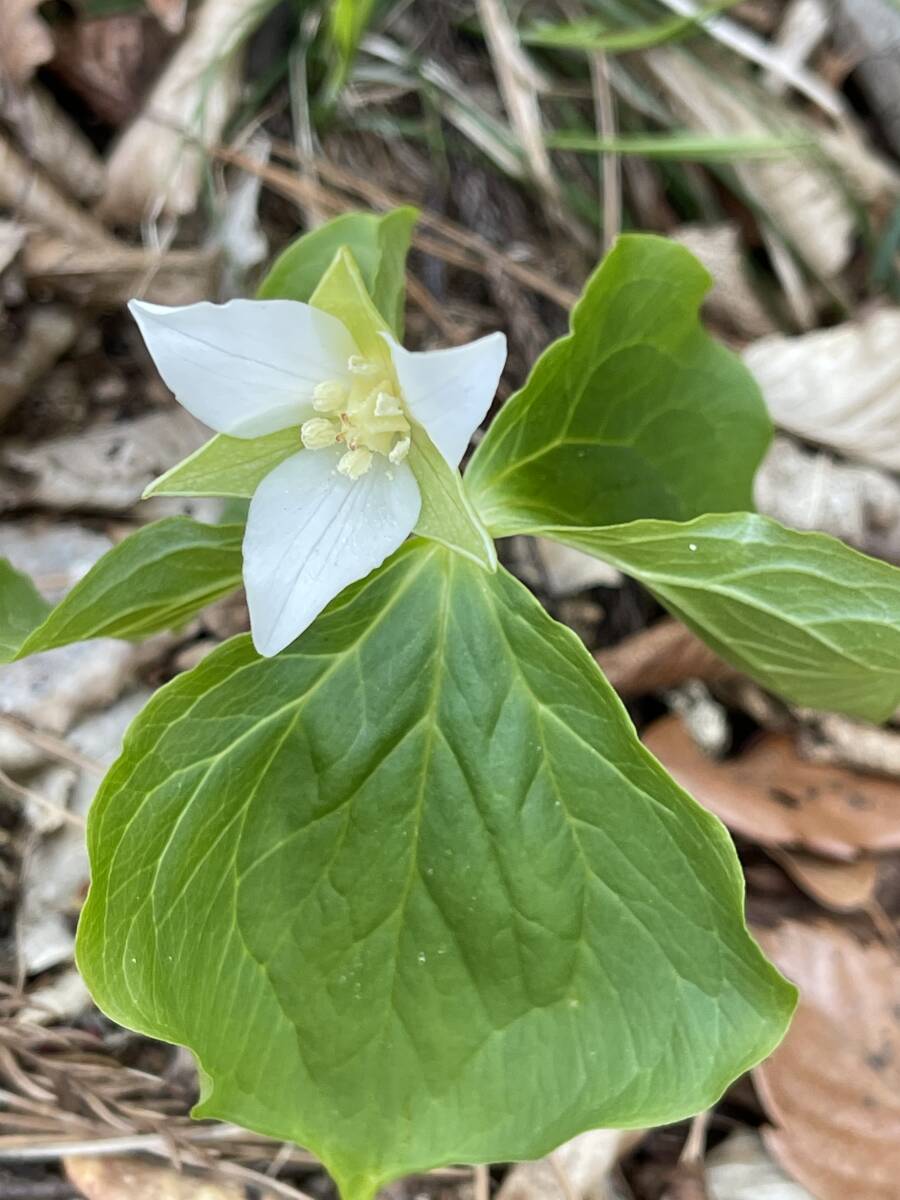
364	414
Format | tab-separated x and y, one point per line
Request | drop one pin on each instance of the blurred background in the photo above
167	150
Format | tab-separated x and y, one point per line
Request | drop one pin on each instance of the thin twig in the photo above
481	1183
610	163
55	746
21	792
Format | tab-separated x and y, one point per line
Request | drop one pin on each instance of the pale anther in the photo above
400	450
387	405
357	365
355	462
317	433
329	396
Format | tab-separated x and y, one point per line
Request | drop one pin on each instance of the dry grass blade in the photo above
451	243
33	198
518	86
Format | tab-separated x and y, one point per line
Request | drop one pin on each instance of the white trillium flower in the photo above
331	513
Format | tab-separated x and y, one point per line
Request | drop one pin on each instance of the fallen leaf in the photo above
839	387
832	1088
25	40
839	886
740	1169
808	489
661	657
53	554
772	796
106	468
578	1170
110	1178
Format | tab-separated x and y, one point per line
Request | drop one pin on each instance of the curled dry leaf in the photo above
839	387
25	40
772	796
838	886
578	1170
55	875
661	657
114	1178
832	1088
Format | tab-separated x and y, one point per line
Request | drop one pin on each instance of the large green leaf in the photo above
22	607
153	580
379	245
802	613
637	413
414	893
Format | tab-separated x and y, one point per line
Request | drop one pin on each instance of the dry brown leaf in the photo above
661	657
839	387
771	795
839	886
25	40
110	275
578	1170
117	1178
832	1088
109	61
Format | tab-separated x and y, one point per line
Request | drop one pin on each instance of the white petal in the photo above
247	367
449	391
311	531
